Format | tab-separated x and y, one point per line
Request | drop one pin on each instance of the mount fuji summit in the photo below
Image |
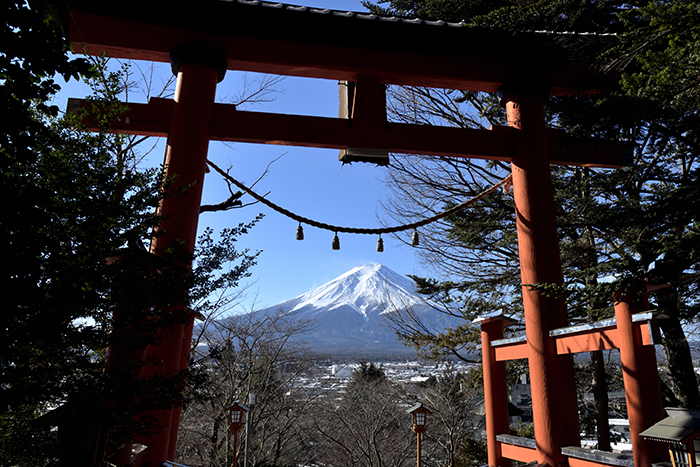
349	313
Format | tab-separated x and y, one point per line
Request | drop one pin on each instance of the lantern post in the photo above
420	417
235	423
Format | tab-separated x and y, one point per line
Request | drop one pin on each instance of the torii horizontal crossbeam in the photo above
229	124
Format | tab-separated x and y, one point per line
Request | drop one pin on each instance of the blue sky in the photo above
308	182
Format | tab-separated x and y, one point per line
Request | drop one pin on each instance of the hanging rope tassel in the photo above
414	239
300	232
380	244
336	242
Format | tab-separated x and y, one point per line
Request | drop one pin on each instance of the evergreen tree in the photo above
76	217
367	372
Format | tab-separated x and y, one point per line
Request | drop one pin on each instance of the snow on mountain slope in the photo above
366	289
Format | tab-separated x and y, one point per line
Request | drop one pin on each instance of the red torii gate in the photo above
203	41
633	331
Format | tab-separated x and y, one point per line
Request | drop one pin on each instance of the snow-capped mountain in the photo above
364	289
349	313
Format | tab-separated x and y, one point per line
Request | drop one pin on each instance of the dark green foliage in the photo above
56	237
31	53
471	452
445	10
367	373
75	219
651	209
217	254
513	15
663	38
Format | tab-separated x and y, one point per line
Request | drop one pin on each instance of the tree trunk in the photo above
667	394
678	357
599	386
214	439
600	395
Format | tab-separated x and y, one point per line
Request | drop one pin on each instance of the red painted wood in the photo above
185	159
229	124
576	462
640	376
511	351
517	453
605	339
552	384
495	392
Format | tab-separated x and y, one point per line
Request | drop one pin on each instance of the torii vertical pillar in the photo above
554	408
495	389
640	376
198	72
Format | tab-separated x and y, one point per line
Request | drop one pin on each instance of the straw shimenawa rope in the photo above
355	230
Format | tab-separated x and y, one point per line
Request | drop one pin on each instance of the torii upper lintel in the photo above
299	41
